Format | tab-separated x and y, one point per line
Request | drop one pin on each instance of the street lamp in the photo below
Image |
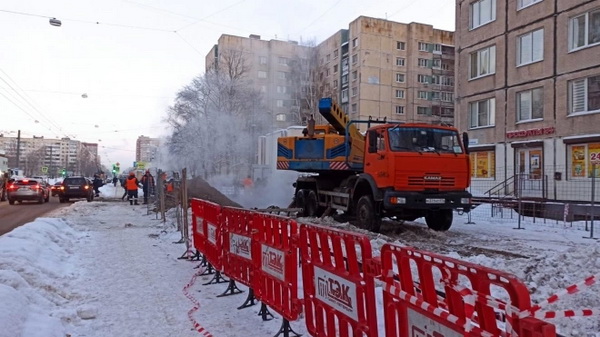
55	22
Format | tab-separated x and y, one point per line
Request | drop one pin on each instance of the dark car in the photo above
27	189
76	188
55	188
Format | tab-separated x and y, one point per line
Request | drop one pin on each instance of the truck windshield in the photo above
410	139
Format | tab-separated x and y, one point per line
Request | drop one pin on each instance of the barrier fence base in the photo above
217	278
250	300
196	256
209	269
286	329
264	312
232	289
204	263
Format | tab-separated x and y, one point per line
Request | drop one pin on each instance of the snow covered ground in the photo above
111	269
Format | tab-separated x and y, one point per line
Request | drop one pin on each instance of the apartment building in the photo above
146	149
383	69
528	89
46	156
278	69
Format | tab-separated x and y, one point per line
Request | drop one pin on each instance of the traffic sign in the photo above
44	169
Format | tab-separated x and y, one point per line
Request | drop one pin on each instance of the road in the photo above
13	216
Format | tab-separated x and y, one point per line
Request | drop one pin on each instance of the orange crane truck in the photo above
398	170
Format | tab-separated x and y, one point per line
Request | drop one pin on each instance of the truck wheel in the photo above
10	201
312	206
367	215
300	202
439	220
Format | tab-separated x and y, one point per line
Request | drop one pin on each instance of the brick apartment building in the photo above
528	89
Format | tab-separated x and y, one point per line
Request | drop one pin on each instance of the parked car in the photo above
55	188
27	189
76	188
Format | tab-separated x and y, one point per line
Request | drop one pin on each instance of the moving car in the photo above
27	189
55	188
76	187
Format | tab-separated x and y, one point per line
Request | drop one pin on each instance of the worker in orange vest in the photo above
132	184
248	183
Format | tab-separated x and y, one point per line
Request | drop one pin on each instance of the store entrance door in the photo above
529	174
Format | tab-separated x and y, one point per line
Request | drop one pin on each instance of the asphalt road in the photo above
13	216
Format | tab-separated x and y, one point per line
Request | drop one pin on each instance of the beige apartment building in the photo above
146	149
528	89
383	69
47	156
278	69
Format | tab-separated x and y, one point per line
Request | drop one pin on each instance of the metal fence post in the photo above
593	197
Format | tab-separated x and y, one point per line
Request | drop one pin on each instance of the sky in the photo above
110	269
109	73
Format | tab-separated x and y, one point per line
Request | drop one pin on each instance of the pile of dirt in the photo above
198	188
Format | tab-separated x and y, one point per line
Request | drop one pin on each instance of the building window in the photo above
335	83
423	110
526	3
263	60
354	107
581	157
400	61
354	91
423	63
482	113
447	96
345	96
422	78
335	68
262	74
283	61
584	94
355	42
422	94
400	78
282	75
354	58
482	12
436	63
344	79
530	104
530	47
400	45
483	164
447	80
423	46
281	89
335	53
399	110
280	103
584	30
328	57
354	75
280	117
483	62
399	93
437	48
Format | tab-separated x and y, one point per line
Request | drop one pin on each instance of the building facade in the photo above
384	69
146	149
528	89
278	69
46	156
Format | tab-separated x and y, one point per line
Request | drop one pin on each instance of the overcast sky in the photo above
130	58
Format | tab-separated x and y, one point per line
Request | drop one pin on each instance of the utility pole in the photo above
18	147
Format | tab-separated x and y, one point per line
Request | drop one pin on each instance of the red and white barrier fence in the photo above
263	251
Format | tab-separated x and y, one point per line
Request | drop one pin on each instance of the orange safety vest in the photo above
132	184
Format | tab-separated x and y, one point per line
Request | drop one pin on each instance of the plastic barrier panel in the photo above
198	224
275	257
237	238
413	306
339	294
210	242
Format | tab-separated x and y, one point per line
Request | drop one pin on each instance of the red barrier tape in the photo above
196	306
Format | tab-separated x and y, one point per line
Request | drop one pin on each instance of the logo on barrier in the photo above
337	292
212	233
273	262
240	245
423	326
199	222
